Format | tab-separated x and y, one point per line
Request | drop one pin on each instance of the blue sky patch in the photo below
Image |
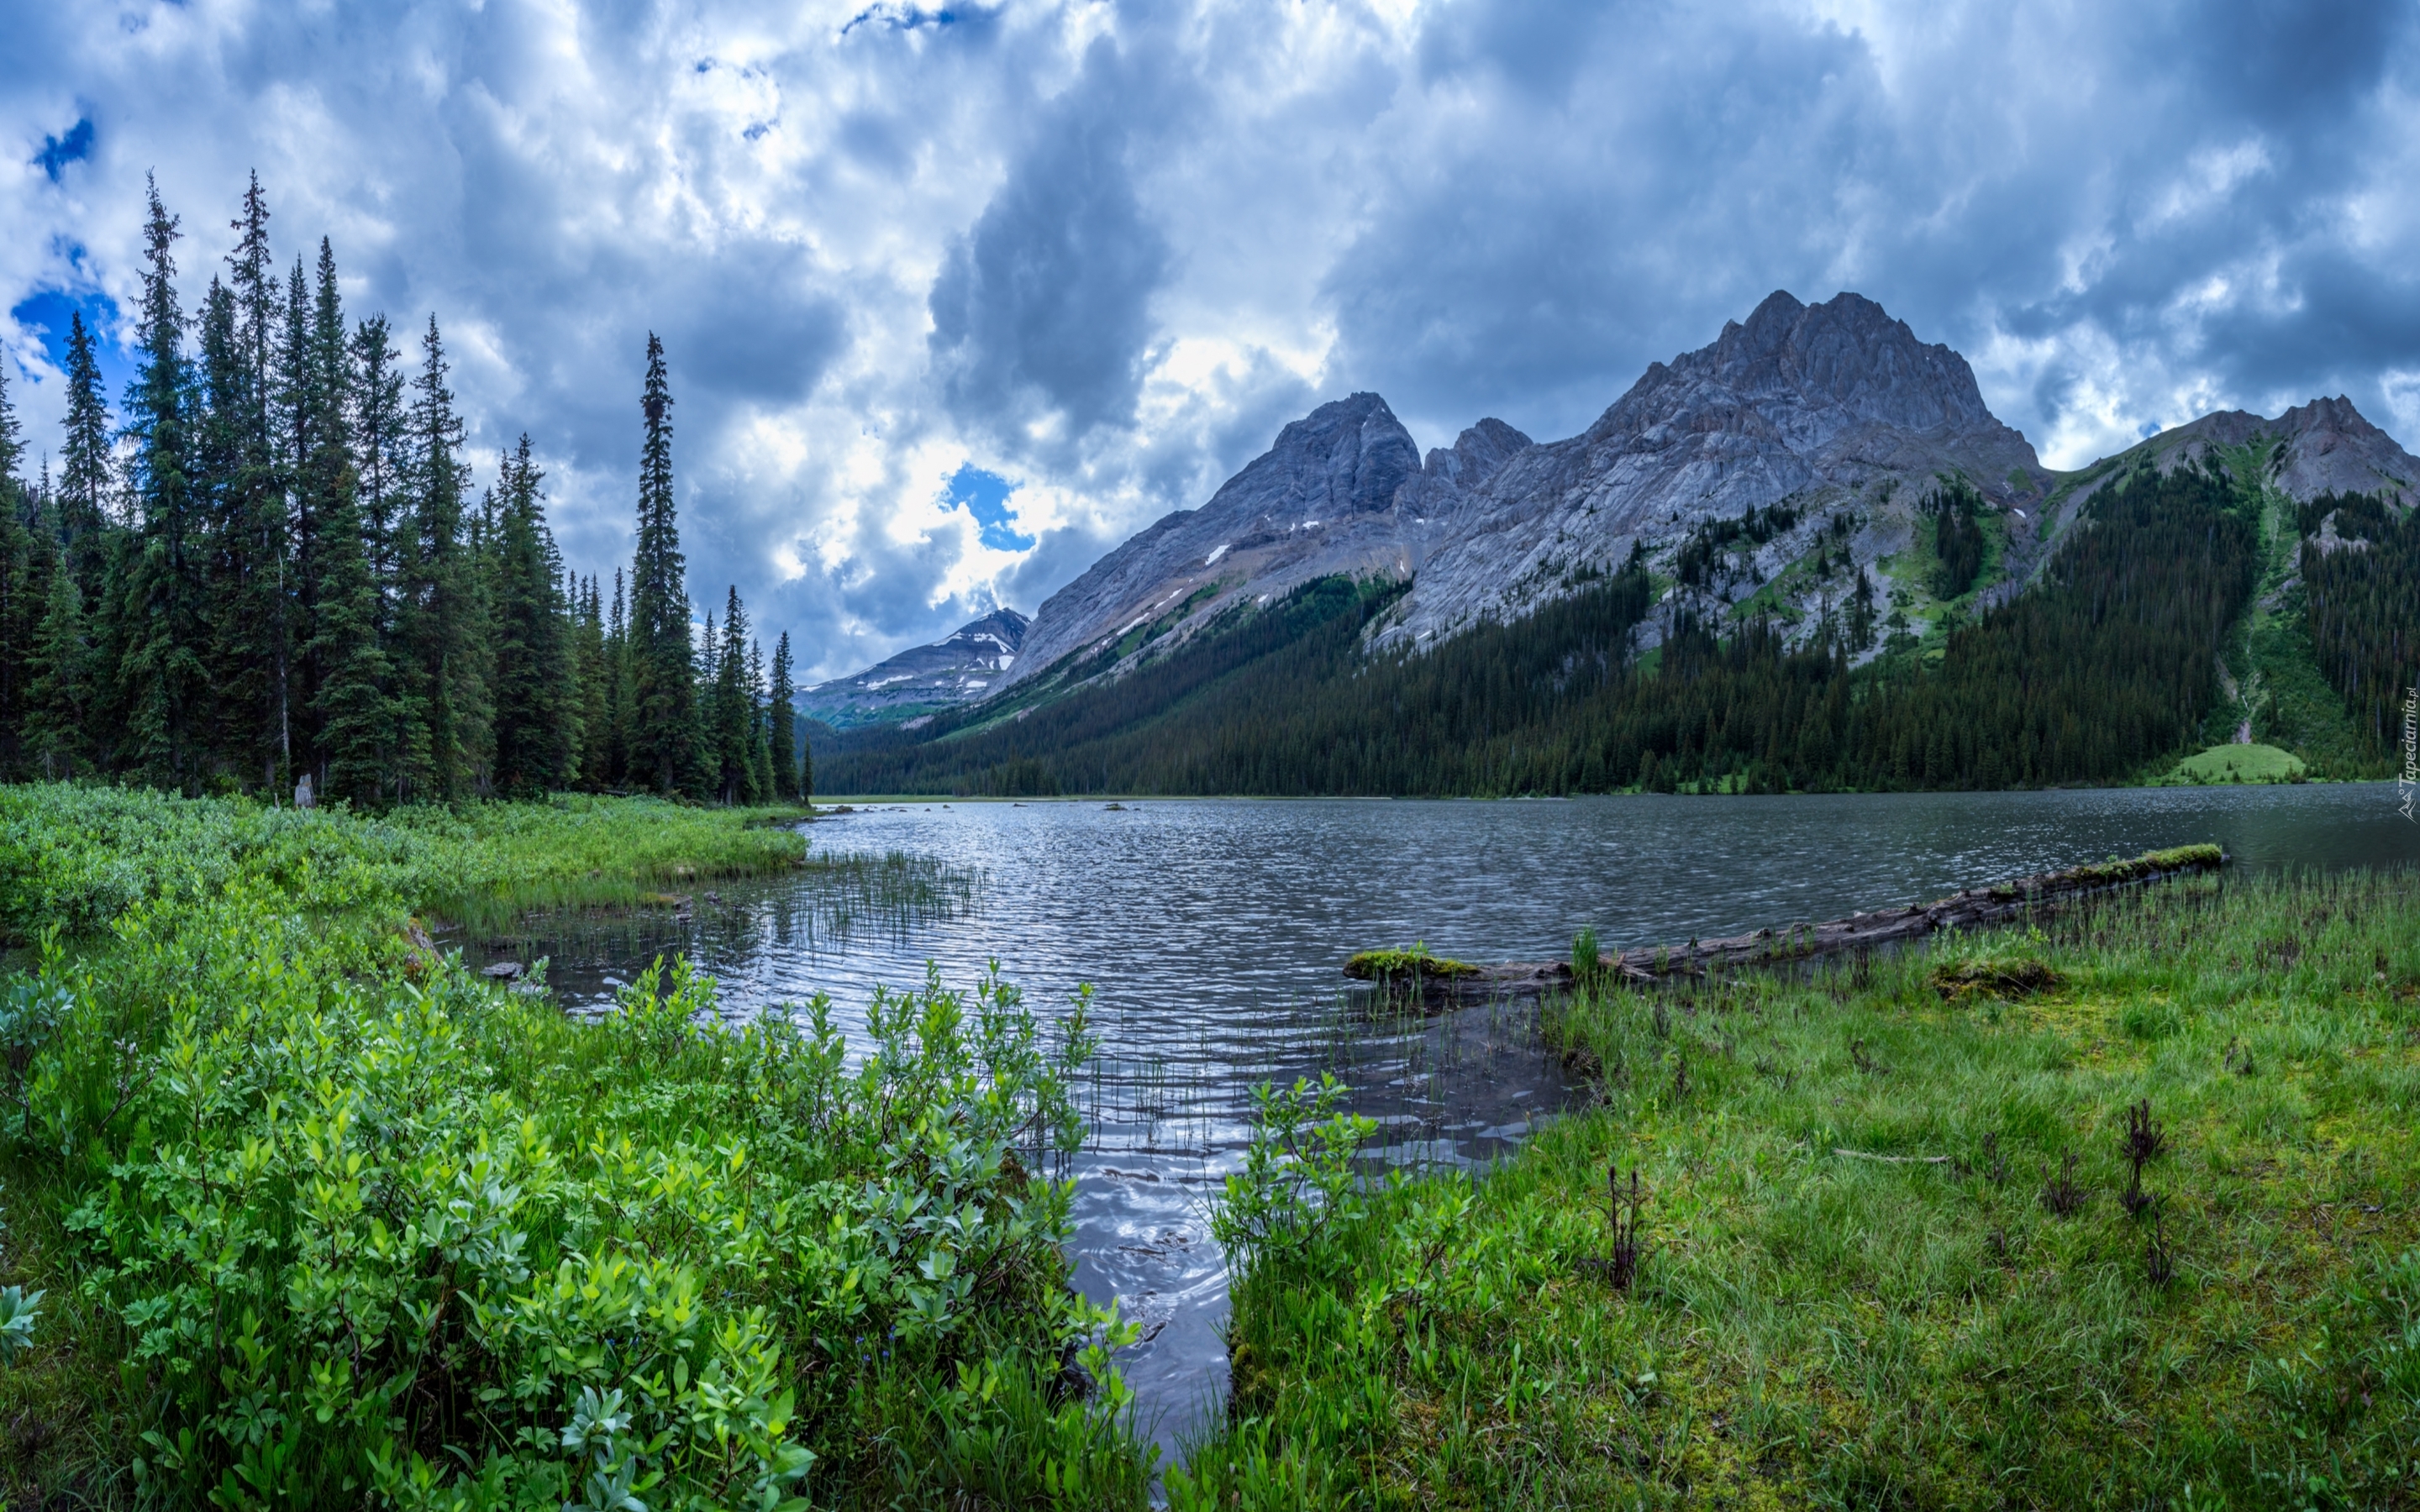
58	151
985	497
45	314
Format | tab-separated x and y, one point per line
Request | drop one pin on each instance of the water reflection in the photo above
1213	932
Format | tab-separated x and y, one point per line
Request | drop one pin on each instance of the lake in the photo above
1213	932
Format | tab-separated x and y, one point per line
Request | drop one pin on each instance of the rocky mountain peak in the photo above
1811	372
1476	454
1323	498
1347	456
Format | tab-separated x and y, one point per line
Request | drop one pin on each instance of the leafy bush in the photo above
351	1234
1297	1176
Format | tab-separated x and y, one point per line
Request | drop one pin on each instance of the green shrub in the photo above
343	1225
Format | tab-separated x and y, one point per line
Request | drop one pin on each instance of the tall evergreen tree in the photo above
666	751
254	633
728	713
444	717
12	440
22	595
86	465
760	734
781	708
166	678
594	680
61	698
537	718
617	691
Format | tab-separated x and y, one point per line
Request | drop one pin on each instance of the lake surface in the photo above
1213	932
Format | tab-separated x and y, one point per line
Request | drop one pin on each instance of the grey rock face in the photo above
961	669
1813	404
1323	500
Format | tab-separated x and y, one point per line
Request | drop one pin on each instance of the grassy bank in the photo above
1861	1269
79	857
319	1219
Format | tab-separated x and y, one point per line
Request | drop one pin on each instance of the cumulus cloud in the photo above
1102	250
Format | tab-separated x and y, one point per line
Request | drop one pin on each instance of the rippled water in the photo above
1213	932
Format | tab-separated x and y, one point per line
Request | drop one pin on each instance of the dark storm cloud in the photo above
1608	184
1104	251
1041	315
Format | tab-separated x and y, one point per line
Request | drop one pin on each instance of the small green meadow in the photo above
2236	763
300	1213
2114	1212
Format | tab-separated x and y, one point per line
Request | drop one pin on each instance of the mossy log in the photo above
1972	908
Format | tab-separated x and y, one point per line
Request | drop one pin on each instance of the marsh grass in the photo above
1919	1330
78	856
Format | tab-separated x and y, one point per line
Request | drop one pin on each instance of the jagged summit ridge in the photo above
2330	447
1812	403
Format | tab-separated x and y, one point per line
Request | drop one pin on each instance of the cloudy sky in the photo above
957	297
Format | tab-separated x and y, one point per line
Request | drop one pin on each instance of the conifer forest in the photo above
270	561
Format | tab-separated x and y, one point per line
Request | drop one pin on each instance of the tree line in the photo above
2102	667
270	567
2362	599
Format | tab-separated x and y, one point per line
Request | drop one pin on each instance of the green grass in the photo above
78	856
1852	1293
2236	763
321	1219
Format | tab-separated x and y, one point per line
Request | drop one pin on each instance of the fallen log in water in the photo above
1970	909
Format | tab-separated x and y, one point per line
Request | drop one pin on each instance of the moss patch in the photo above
1377	965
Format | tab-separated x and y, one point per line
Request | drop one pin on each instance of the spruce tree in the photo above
536	719
23	590
60	700
733	704
442	717
12	440
666	749
594	682
21	613
389	528
166	679
86	466
760	736
781	709
617	691
251	560
347	667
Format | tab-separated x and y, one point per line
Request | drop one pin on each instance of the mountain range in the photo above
1799	465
